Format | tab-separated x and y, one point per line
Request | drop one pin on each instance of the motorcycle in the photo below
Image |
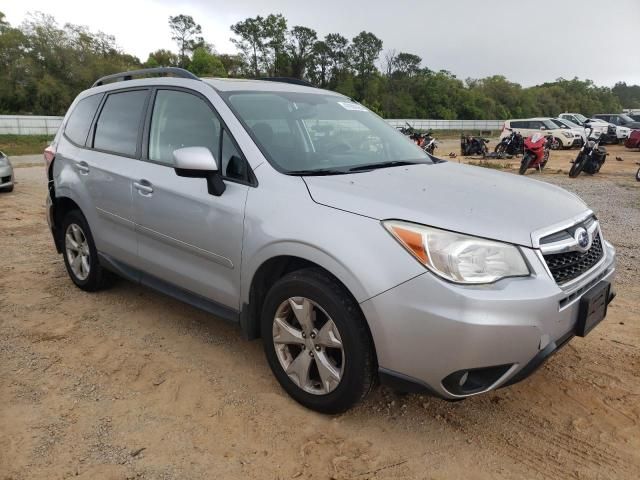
429	143
511	145
536	152
590	158
473	146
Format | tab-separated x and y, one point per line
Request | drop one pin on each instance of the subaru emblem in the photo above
582	239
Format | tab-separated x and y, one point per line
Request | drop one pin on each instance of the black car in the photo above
621	119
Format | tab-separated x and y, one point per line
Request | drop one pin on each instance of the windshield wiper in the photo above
394	163
317	172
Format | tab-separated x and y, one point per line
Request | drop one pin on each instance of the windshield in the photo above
559	123
626	118
549	124
309	132
580	118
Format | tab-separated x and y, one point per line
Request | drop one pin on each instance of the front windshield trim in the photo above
226	97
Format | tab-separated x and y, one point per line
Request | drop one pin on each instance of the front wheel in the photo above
317	342
638	175
501	148
578	165
524	163
556	144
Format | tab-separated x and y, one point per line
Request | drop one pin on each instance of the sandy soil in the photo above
127	383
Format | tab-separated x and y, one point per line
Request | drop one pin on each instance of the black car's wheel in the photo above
80	254
524	163
578	165
317	342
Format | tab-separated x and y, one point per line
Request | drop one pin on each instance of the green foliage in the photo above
43	67
24	144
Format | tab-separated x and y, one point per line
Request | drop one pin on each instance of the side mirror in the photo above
199	162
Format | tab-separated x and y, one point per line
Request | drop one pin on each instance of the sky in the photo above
528	41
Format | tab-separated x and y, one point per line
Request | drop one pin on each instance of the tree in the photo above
363	53
162	58
338	47
320	61
205	63
274	31
187	34
301	48
233	64
251	41
390	61
406	64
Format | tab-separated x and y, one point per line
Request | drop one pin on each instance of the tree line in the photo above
44	66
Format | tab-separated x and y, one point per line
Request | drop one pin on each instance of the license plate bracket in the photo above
593	308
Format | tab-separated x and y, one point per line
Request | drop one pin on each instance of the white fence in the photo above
420	124
29	125
41	125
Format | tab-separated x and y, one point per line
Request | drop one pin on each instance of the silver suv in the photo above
303	217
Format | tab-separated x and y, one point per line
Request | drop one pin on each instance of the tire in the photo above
353	362
578	166
500	148
556	144
638	175
88	275
524	164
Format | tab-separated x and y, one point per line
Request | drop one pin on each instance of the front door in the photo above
186	236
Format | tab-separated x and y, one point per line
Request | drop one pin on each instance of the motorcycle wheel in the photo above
578	166
524	164
500	148
638	175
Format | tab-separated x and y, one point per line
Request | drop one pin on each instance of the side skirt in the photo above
136	276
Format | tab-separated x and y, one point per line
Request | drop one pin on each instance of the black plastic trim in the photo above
406	384
291	80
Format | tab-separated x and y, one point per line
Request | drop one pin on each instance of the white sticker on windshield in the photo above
353	106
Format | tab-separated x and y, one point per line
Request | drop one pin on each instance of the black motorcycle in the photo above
511	145
470	146
590	158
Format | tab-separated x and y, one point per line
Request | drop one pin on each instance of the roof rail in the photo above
165	71
294	81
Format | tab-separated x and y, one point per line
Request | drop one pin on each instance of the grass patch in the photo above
494	165
24	144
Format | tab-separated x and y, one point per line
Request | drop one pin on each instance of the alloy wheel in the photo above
77	251
308	345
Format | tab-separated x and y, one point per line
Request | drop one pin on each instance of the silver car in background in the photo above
6	174
303	217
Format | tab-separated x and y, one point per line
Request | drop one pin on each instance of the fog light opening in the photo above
467	382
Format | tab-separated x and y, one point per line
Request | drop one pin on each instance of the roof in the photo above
241	84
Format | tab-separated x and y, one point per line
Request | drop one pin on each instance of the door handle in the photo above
83	168
144	187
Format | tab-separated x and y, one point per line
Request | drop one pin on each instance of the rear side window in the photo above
181	120
119	122
81	117
519	124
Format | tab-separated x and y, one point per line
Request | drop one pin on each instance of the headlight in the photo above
567	134
457	257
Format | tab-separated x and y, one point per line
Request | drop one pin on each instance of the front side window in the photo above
180	120
119	123
309	132
80	119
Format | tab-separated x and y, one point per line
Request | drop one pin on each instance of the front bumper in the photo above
6	176
425	330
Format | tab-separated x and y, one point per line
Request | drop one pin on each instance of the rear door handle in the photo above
83	168
144	187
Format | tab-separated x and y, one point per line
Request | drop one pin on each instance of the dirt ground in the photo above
127	383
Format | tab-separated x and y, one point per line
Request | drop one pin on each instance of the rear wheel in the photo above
578	165
80	254
524	163
317	342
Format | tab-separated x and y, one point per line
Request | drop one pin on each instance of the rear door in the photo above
111	162
186	236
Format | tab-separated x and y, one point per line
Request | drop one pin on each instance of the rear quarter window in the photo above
79	122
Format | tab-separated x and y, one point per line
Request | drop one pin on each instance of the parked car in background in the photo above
634	140
562	137
601	128
619	119
577	130
635	115
6	173
354	255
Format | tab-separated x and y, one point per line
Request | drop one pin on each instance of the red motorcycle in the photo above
536	152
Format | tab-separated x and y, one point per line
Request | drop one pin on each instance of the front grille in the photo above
5	179
567	266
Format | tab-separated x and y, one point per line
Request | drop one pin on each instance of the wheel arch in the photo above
268	272
61	206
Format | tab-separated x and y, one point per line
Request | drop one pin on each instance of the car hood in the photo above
461	198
